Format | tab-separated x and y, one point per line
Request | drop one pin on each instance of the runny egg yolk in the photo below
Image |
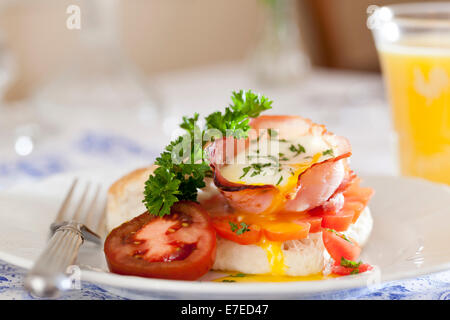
299	169
275	256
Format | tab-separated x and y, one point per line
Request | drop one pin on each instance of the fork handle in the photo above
48	277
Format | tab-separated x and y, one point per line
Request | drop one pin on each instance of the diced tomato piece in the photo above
338	247
284	231
223	229
345	271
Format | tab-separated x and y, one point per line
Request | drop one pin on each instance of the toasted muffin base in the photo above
301	257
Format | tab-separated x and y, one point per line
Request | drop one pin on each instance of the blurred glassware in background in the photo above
413	42
99	81
17	120
279	57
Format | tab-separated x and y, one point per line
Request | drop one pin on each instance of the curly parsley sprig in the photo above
182	168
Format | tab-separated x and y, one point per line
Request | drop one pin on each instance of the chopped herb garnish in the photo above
257	169
238	275
283	140
328	152
282	157
341	235
245	170
297	149
226	280
239	230
272	133
349	263
233	226
270	157
279	181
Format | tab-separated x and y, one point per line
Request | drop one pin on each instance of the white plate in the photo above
410	238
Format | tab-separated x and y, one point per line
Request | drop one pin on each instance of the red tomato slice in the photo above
223	229
345	271
338	247
339	221
356	207
284	231
315	223
357	193
179	246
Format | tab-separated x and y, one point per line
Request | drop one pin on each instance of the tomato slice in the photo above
284	231
223	228
357	198
355	201
180	246
315	223
339	221
338	247
345	271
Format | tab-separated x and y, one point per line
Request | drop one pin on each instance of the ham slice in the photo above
314	186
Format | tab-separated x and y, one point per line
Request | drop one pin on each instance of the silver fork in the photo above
48	276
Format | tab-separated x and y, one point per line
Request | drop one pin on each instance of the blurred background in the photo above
160	36
151	61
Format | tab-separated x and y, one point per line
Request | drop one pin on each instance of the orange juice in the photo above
417	76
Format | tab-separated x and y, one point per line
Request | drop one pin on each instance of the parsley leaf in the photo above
235	121
183	166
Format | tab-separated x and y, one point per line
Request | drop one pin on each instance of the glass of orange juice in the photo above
413	42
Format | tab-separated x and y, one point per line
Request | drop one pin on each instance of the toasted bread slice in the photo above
125	197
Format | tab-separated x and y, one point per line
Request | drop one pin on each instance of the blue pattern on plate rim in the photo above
112	147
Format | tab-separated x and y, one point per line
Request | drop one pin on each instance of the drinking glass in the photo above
413	43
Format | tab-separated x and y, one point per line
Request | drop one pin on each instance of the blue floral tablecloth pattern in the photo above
98	147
